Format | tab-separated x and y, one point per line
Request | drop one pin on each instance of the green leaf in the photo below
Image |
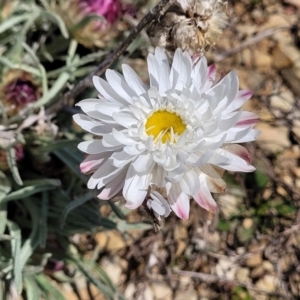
31	190
5	186
15	232
117	210
261	179
32	290
240	293
46	285
41	67
6	62
34	239
12	21
245	234
104	276
1	292
86	21
72	160
59	144
51	15
285	209
44	220
223	225
3	218
87	272
11	159
54	91
75	203
124	226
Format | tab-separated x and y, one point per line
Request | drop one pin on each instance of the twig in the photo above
250	42
158	10
210	278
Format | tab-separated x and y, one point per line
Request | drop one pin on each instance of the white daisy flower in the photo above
176	135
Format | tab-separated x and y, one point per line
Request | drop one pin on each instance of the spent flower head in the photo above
18	88
176	136
95	32
192	25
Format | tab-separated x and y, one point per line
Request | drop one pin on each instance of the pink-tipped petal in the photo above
240	151
179	202
241	98
235	163
113	187
247	119
204	197
93	162
211	73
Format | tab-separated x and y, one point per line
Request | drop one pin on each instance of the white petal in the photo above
133	80
250	136
135	188
110	141
190	183
158	198
117	81
153	69
143	162
161	56
123	137
164	80
134	149
225	124
120	159
157	207
180	75
198	160
242	97
95	147
91	125
113	187
235	163
125	119
105	174
107	91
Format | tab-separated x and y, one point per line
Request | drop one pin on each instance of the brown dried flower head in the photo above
192	25
17	89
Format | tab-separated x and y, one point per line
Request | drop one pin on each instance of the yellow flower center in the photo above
165	125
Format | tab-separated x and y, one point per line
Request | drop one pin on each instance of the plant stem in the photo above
155	12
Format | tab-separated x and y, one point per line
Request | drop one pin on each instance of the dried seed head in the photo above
192	25
17	89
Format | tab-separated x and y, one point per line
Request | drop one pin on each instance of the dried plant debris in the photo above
191	25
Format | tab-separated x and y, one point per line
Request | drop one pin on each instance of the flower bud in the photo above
95	32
